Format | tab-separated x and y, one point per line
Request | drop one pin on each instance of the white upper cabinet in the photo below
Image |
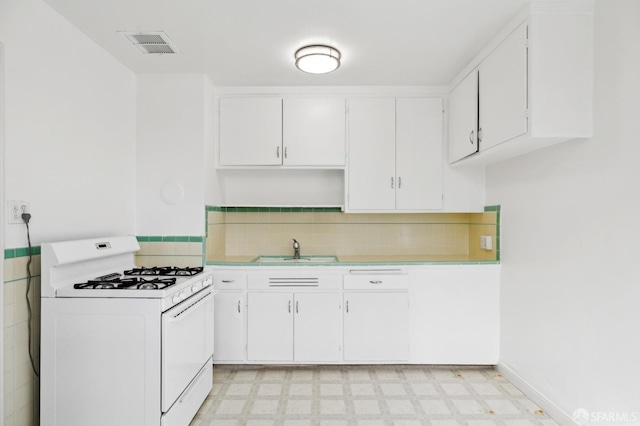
419	153
395	154
463	118
272	131
372	152
503	91
535	87
251	131
314	131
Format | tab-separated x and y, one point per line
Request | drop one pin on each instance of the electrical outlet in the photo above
15	208
486	242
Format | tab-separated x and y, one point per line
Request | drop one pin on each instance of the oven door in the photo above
187	344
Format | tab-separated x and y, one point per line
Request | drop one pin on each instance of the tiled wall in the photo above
268	231
179	251
21	401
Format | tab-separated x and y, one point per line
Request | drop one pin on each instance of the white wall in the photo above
171	138
69	128
570	295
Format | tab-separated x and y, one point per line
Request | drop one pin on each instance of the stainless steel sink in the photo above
290	259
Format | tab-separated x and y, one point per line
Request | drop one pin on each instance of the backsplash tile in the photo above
181	251
246	231
20	385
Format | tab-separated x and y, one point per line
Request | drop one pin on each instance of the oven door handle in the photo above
189	309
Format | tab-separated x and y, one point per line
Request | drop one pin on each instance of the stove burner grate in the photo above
166	270
130	283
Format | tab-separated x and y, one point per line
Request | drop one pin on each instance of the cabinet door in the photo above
372	154
317	327
463	118
455	315
419	153
270	326
250	131
376	326
503	91
314	131
228	323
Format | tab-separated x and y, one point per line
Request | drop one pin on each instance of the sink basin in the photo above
290	259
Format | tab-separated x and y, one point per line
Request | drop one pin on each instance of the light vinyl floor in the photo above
365	396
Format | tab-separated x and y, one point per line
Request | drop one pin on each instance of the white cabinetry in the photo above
276	131
431	314
489	106
395	154
294	317
229	325
314	131
270	326
455	315
535	87
294	327
229	316
250	131
463	118
376	318
503	91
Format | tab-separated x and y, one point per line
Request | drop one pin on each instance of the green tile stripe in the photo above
274	209
496	209
170	239
21	252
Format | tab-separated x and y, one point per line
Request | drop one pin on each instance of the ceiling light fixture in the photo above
317	59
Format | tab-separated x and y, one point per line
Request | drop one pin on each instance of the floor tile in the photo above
331	407
385	395
366	407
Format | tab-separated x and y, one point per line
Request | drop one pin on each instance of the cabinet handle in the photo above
471	136
480	135
278	152
347	306
289	306
391	182
285	152
375	282
228	281
296	306
238	306
399	182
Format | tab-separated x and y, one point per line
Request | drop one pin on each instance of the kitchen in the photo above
80	132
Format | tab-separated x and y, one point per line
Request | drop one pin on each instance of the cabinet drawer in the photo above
229	281
295	281
376	282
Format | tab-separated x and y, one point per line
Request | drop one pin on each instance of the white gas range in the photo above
122	345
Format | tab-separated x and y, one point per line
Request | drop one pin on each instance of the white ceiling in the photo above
252	42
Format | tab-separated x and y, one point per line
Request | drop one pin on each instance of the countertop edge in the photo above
347	264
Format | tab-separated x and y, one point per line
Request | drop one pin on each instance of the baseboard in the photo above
552	410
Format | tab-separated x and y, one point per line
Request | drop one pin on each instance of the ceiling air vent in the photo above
151	43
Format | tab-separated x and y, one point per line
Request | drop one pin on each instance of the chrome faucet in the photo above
296	249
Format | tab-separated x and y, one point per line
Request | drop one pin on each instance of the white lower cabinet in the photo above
376	317
317	329
229	344
302	327
432	314
376	326
456	315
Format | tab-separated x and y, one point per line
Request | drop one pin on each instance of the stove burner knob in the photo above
194	289
182	295
176	299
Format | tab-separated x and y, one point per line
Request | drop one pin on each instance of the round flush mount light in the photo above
317	59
